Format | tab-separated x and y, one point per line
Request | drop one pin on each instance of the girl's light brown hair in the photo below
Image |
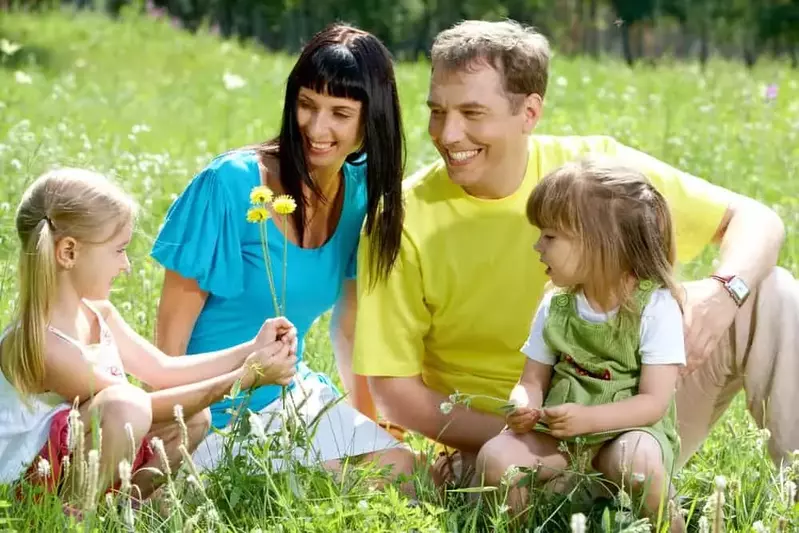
621	223
61	203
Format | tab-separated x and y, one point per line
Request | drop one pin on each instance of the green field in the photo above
147	104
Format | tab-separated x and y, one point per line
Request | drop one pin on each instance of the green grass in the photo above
146	103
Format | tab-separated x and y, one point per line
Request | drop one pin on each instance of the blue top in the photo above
206	237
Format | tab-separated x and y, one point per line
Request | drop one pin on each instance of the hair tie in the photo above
49	222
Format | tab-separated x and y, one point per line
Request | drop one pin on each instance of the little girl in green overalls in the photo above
606	344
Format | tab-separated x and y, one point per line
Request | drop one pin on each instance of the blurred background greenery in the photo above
637	30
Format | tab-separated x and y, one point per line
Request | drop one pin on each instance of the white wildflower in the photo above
124	476
233	81
638	477
92	487
158	444
578	523
22	78
257	429
43	467
128	518
510	475
790	492
721	483
284	440
9	48
445	407
74	429
758	527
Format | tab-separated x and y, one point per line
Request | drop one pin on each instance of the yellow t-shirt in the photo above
457	306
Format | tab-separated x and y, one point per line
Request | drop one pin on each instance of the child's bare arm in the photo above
529	391
161	371
655	392
72	376
68	373
527	396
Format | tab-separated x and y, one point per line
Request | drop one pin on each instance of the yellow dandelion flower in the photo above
284	205
261	195
257	214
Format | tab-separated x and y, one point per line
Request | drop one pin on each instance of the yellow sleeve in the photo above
697	206
392	318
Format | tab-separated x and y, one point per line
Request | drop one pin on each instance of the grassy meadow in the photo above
150	105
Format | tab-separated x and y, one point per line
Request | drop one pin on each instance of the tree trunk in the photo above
625	44
593	31
704	38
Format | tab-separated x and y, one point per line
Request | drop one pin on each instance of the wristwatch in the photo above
737	287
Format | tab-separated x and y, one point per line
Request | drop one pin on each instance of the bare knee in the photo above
198	426
400	460
647	475
493	460
635	461
120	405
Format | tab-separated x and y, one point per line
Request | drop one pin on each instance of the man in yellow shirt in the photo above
456	309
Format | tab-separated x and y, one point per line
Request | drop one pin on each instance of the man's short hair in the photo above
519	53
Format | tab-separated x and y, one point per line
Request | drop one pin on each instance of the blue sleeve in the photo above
200	237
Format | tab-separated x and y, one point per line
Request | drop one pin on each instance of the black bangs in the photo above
332	70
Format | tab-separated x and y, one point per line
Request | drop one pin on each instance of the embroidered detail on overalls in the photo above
583	372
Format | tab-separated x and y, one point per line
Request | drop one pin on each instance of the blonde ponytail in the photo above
22	359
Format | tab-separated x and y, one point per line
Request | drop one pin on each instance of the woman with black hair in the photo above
340	156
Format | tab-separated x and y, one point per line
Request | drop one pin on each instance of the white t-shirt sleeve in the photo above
662	336
535	347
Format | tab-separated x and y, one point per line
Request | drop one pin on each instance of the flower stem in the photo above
268	264
285	262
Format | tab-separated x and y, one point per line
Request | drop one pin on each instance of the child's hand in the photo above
274	363
274	329
568	420
523	419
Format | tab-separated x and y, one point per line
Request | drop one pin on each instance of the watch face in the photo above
738	287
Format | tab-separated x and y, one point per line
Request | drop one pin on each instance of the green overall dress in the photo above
600	363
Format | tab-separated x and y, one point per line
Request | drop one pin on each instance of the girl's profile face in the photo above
95	266
330	127
561	254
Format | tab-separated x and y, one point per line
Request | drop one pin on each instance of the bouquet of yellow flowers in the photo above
261	197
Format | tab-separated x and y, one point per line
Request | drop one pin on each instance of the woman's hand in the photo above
274	329
274	357
273	364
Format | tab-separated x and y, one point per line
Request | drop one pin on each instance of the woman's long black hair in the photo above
346	62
